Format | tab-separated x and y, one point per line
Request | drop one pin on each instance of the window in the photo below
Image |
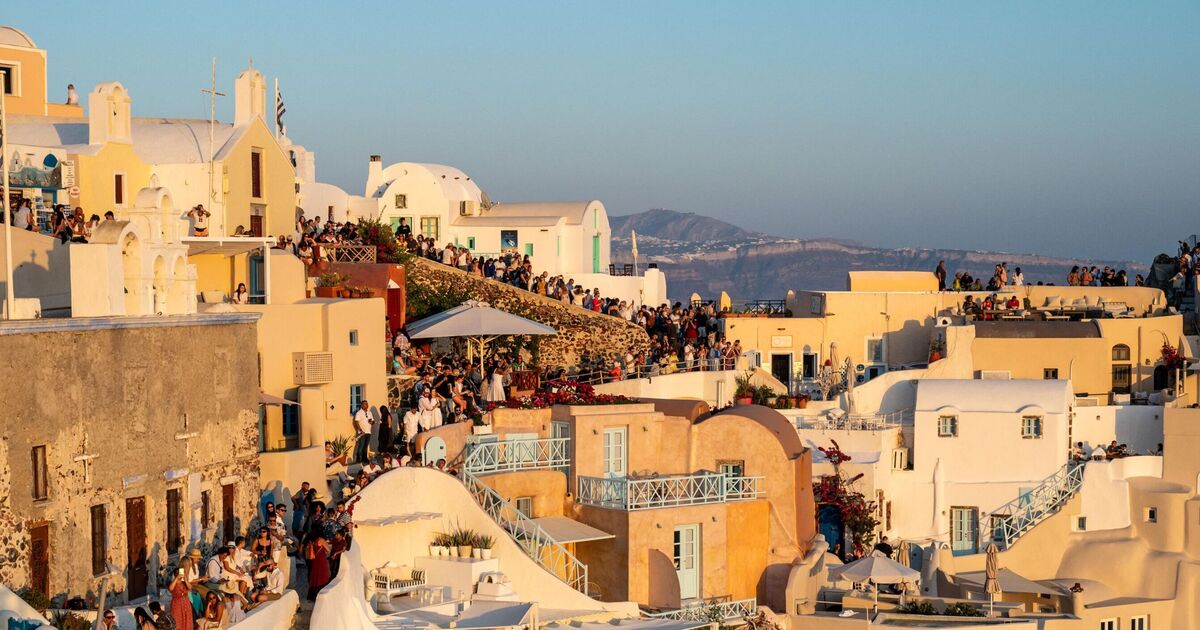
528	249
41	473
524	505
1150	515
1108	624
205	509
291	421
99	540
1122	379
10	78
464	208
1081	523
816	304
1141	622
471	243
875	351
732	469
948	426
119	189
174	515
357	394
1120	352
1031	427
256	174
1050	374
401	201
429	227
354	337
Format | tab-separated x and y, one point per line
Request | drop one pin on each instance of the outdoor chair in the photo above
388	581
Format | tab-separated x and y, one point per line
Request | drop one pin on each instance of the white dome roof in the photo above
12	36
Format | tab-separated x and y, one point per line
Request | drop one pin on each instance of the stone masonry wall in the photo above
579	331
152	408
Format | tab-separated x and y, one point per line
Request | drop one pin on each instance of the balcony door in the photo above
964	527
615	454
686	555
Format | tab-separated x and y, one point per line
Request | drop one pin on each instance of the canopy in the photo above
476	321
268	399
1010	582
568	530
878	569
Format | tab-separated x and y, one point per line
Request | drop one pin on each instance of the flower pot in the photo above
477	553
464	551
328	292
434	551
443	551
345	293
485	554
802	403
745	400
935	356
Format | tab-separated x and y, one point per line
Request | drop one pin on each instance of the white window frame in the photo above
353	336
1112	623
1079	523
867	358
610	456
15	66
1139	622
519	502
953	425
437	224
1032	427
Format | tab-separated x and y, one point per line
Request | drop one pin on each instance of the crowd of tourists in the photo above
1079	276
60	221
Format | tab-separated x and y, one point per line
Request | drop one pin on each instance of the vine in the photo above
858	514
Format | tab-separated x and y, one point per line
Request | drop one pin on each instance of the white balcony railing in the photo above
714	612
519	454
671	491
854	422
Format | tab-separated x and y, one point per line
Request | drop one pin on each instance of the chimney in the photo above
374	174
108	115
250	97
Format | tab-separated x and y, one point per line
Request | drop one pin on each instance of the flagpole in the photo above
276	108
9	298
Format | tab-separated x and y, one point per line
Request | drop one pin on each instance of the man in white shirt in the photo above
276	582
215	571
1018	278
363	420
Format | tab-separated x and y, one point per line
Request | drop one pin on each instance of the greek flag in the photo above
279	111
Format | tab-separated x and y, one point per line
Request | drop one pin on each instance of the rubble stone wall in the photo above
579	331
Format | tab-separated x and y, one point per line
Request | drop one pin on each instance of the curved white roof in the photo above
455	184
993	395
167	141
572	211
13	36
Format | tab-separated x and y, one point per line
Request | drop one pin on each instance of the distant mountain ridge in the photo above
706	256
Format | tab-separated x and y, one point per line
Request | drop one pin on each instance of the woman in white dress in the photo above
495	390
412	422
431	411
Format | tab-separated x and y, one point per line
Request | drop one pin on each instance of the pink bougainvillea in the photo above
837	490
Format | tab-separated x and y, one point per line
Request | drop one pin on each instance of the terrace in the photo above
839	420
492	456
650	493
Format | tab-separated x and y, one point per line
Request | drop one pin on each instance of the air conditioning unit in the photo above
1087	401
995	375
312	368
753	358
900	459
944	321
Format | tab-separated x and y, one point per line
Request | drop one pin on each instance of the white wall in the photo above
1104	496
316	198
1139	426
649	289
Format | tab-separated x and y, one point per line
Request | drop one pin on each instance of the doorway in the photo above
614	452
964	528
135	538
686	555
781	369
829	524
39	559
595	253
228	524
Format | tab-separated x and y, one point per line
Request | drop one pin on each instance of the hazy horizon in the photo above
1067	127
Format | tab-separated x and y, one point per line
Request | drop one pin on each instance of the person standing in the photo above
317	553
181	602
363	421
940	272
385	429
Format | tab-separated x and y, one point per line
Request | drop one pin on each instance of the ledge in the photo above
80	324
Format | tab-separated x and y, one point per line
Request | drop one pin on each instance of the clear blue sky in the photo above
1051	127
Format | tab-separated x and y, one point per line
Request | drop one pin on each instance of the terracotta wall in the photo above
547	488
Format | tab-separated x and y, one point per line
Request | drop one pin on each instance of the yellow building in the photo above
25	89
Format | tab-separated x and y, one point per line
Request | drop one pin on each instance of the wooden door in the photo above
686	554
39	558
135	533
228	526
256	226
395	308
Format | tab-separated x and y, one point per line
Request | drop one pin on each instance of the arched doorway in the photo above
160	286
131	263
829	524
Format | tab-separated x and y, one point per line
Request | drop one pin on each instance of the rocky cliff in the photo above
579	331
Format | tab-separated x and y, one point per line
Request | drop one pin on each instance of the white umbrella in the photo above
478	322
878	569
990	583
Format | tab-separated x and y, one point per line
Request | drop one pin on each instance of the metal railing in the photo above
761	307
350	253
716	611
518	454
547	552
621	493
1013	519
855	422
651	370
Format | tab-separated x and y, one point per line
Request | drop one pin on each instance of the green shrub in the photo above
918	607
35	598
70	621
963	609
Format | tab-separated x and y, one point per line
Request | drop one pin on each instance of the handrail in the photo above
516	454
351	253
710	611
547	552
630	495
856	421
651	370
1021	514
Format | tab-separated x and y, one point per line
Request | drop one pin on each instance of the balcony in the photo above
671	491
350	253
496	456
837	420
723	609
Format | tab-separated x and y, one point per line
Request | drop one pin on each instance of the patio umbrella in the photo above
849	367
878	569
478	322
902	553
990	583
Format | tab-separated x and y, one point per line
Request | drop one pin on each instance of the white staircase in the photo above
1013	519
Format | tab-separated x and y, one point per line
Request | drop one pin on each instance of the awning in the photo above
267	399
224	245
409	517
569	530
1010	582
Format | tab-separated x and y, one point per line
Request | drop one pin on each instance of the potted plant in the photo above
936	348
366	292
339	448
329	284
443	544
435	546
802	401
485	544
744	389
762	395
463	539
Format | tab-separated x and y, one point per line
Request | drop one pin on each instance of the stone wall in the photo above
126	408
579	331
